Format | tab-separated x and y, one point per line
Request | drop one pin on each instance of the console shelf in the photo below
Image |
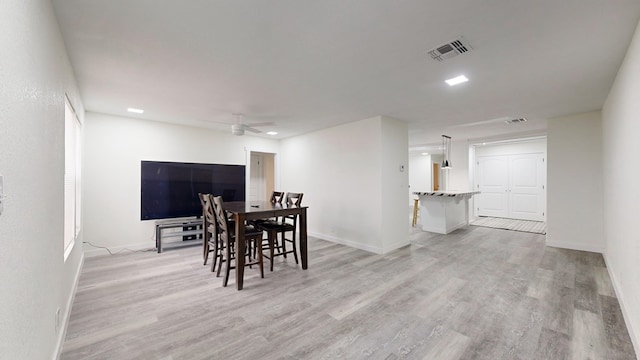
191	229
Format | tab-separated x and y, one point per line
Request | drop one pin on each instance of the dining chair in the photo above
252	237
282	226
205	228
277	197
214	242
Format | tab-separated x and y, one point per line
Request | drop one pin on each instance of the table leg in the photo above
303	238
240	250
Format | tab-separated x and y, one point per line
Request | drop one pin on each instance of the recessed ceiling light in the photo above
272	133
134	110
425	153
457	80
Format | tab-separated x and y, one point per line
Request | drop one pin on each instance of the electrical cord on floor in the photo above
119	251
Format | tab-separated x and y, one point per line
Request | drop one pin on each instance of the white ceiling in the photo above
308	65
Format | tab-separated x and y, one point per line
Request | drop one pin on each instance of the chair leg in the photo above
215	255
227	269
261	259
293	244
215	259
272	236
205	250
284	245
221	260
248	253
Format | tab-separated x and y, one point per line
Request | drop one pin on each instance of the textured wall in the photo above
621	192
36	281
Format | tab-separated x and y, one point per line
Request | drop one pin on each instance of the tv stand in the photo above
191	229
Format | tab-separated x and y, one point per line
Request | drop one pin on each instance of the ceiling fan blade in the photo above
249	128
270	123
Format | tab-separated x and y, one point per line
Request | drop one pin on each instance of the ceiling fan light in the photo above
237	129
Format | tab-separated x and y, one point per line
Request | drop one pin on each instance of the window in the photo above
72	161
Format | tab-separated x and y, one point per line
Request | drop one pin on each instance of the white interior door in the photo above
257	182
493	183
526	187
511	186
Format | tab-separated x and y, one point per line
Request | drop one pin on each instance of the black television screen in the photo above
170	189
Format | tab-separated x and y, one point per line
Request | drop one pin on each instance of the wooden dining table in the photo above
255	210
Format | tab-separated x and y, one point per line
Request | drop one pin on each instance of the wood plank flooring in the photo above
478	293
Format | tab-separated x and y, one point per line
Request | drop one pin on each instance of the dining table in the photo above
243	211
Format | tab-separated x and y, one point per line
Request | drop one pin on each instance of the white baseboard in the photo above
353	244
623	306
398	245
67	313
444	229
574	246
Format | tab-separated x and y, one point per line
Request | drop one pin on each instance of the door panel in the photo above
511	186
526	189
257	183
524	206
494	203
493	182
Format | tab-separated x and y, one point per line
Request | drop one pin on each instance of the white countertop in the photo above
450	193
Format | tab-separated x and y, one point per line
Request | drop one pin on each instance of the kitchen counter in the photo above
444	211
449	193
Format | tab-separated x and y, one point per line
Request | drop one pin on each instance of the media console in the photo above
190	229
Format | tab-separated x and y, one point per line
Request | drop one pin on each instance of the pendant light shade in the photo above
446	152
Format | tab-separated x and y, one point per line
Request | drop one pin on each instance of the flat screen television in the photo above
170	189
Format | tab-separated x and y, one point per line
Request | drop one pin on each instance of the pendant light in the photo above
446	152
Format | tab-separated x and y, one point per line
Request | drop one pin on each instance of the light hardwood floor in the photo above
478	293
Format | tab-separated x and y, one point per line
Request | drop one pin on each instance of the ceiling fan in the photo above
238	127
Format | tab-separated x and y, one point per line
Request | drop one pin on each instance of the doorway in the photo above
261	176
511	179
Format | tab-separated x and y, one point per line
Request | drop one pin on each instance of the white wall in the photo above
420	179
459	176
574	181
114	147
35	280
340	170
394	161
524	146
621	191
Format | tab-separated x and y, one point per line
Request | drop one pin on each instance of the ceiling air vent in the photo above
450	49
515	121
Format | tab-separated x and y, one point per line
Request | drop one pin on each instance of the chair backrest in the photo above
277	197
220	217
208	214
294	199
205	223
